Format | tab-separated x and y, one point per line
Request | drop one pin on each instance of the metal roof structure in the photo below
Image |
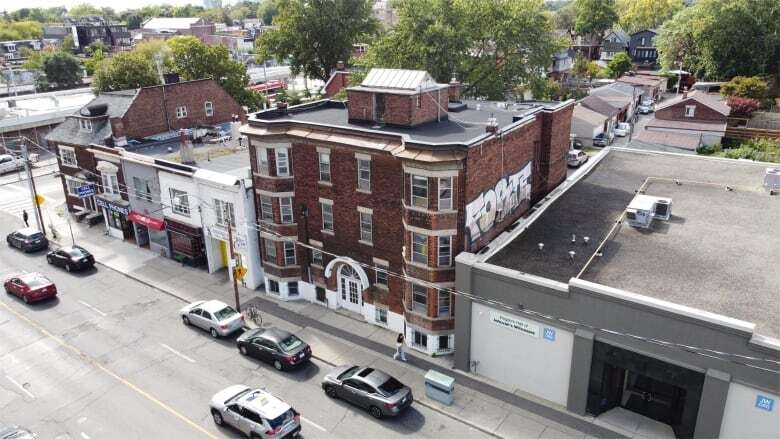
171	23
399	79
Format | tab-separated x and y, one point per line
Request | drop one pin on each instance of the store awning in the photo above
148	221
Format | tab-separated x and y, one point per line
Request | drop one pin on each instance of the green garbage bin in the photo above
439	387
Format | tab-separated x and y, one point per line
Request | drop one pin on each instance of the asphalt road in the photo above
109	358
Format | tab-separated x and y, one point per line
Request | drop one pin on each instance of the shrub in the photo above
745	87
742	106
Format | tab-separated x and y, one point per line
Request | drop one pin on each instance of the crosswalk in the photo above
14	200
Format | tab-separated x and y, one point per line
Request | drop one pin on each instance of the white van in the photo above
9	163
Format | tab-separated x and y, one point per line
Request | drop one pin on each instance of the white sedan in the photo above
214	316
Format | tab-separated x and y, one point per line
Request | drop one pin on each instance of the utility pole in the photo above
232	262
33	192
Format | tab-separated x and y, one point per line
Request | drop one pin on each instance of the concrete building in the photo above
644	289
34	116
396	181
87	30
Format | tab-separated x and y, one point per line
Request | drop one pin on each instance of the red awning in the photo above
152	223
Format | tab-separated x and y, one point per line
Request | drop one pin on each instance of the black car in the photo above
600	140
73	258
276	346
27	240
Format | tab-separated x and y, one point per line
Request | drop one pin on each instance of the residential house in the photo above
693	113
562	63
364	206
642	48
621	95
587	45
587	124
616	41
88	30
652	86
12	53
609	110
164	28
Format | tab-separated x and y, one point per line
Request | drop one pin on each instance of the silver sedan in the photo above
214	316
371	389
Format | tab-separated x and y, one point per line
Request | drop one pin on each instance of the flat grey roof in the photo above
461	127
718	252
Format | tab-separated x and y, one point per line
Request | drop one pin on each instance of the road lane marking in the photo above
21	387
175	352
93	308
84	435
108	372
313	424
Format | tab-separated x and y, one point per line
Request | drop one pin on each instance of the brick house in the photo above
85	142
692	114
363	205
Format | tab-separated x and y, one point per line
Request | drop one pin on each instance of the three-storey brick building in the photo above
364	204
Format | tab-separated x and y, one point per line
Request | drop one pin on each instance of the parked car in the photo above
214	316
371	389
255	413
577	144
276	346
72	258
646	109
30	287
601	140
16	432
623	129
9	163
576	157
27	240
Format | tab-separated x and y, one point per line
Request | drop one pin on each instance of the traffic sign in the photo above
39	199
239	273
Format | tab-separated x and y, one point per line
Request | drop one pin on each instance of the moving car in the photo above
256	413
622	129
27	240
371	389
9	163
16	432
276	346
214	316
576	157
30	287
71	257
600	140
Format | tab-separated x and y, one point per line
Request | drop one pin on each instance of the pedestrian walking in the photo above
399	348
25	218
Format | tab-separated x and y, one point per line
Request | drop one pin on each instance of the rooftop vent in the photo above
95	110
643	209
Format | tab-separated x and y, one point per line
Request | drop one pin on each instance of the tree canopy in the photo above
124	71
620	64
20	30
83	10
745	87
490	45
314	35
720	39
62	68
636	15
593	17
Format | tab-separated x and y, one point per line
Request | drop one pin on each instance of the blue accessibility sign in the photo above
86	190
765	403
549	334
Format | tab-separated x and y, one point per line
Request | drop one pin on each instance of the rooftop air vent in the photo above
644	208
94	110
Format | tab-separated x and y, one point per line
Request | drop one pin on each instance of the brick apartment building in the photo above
85	142
363	205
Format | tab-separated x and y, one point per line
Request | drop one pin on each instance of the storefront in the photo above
115	213
150	232
187	243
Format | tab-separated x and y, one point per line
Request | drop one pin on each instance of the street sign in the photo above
239	273
39	199
86	190
549	334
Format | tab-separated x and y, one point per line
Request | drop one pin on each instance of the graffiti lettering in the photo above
495	204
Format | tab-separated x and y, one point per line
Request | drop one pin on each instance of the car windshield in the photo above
348	373
35	281
281	419
76	252
38	235
225	313
391	386
290	343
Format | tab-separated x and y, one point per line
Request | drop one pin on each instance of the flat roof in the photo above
717	253
459	127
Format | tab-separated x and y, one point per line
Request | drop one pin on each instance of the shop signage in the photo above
148	221
765	403
549	334
239	241
86	190
515	324
111	206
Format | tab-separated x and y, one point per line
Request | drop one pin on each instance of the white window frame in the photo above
417	306
380	315
282	166
316	257
182	207
266	208
441	296
444	242
383	270
72	190
419	256
289	253
66	153
690	111
270	250
11	47
325	175
110	183
181	112
328	224
144	195
262	159
366	226
208	107
286	210
293	289
85	125
414	198
364	175
445	200
224	210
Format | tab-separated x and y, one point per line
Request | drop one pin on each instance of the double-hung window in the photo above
180	202
73	186
289	253
364	175
225	213
316	257
690	110
445	193
68	156
282	162
266	208
366	227
181	112
270	250
445	251
419	248
420	191
209	107
142	190
444	304
381	276
286	209
324	167
262	159
327	217
110	183
419	299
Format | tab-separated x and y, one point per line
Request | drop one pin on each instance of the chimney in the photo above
185	149
454	90
340	66
171	78
492	124
281	106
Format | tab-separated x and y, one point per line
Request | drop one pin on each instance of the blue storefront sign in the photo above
86	190
765	403
549	334
111	206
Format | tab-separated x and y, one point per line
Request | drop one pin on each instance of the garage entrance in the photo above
653	388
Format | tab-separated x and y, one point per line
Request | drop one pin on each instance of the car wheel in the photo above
185	320
26	298
277	365
214	333
48	259
217	416
375	412
243	350
67	268
331	392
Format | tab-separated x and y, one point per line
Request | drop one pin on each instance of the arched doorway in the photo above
350	289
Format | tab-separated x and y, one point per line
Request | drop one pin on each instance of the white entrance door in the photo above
350	296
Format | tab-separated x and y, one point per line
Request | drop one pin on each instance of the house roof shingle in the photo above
69	131
718	128
700	97
599	105
589	116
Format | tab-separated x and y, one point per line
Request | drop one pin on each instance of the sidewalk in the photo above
334	338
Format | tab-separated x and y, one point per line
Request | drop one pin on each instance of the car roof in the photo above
275	334
212	305
27	231
374	377
30	276
267	405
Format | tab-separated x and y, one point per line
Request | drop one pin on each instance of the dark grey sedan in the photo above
371	389
27	240
276	346
71	258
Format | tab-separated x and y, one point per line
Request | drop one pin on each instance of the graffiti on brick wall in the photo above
496	203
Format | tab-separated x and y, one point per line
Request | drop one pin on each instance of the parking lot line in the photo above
15	383
313	424
93	308
175	352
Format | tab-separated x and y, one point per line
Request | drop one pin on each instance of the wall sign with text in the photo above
515	324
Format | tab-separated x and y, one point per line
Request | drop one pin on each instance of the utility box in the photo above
439	387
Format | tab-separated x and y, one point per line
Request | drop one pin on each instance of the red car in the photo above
31	287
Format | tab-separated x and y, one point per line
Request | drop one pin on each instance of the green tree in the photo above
67	43
91	64
83	10
125	70
266	11
637	15
592	71
20	30
720	39
593	17
745	87
315	35
620	64
63	69
133	21
490	45
579	68
564	17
